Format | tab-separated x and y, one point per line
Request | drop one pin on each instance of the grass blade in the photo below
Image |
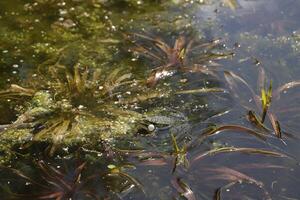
239	150
285	87
201	90
183	189
275	125
234	128
252	117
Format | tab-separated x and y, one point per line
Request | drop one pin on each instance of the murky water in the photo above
129	99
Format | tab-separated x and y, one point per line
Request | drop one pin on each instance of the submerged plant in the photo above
185	55
233	177
53	183
263	101
75	104
183	189
117	173
180	155
266	96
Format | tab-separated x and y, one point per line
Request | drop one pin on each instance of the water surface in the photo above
79	135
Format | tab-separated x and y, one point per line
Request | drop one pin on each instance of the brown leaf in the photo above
275	125
285	87
235	84
183	189
240	150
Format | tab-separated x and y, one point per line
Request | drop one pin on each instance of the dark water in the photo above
86	144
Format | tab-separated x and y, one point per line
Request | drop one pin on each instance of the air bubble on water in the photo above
65	149
15	66
151	127
80	107
86	14
14	72
63	12
5	51
61	3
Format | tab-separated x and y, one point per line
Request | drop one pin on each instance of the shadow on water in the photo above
149	99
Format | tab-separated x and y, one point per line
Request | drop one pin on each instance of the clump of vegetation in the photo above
81	98
75	104
54	183
185	55
262	102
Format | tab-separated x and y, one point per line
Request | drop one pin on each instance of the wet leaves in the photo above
239	150
275	125
254	119
52	183
180	155
201	90
263	102
286	87
233	128
16	91
266	97
183	189
85	102
119	172
234	177
175	58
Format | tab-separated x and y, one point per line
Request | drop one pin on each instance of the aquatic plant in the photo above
179	154
53	183
118	173
233	177
60	27
266	96
183	189
263	102
70	105
185	55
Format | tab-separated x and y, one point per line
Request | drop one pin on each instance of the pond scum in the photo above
83	129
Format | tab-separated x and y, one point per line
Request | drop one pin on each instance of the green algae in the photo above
10	139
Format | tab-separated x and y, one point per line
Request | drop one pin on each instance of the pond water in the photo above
149	99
